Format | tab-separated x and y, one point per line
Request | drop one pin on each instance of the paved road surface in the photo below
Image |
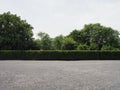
59	75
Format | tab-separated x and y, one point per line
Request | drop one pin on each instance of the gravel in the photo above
60	75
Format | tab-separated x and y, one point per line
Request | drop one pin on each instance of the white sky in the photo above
57	17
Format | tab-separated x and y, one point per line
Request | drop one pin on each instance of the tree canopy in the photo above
45	41
15	34
96	36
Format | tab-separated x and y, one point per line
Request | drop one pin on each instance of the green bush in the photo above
58	55
109	55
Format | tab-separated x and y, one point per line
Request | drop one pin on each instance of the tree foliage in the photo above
68	44
104	36
45	41
15	34
57	42
96	36
83	47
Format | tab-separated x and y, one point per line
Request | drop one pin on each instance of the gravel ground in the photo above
60	75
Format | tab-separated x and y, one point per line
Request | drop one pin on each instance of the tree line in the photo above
16	34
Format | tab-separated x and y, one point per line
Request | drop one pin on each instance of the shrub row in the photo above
58	55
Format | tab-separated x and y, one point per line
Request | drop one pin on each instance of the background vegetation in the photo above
16	34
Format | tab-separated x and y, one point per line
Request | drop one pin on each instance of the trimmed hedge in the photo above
58	55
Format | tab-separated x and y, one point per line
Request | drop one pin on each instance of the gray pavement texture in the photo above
59	75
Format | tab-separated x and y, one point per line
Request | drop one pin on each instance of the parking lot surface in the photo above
60	75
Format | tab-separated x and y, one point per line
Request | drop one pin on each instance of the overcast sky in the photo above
57	17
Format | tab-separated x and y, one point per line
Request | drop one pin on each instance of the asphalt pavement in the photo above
60	75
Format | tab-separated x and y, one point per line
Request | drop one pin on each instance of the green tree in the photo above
75	34
45	41
86	34
106	47
95	36
93	46
36	44
78	36
104	36
15	34
57	42
82	47
69	44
